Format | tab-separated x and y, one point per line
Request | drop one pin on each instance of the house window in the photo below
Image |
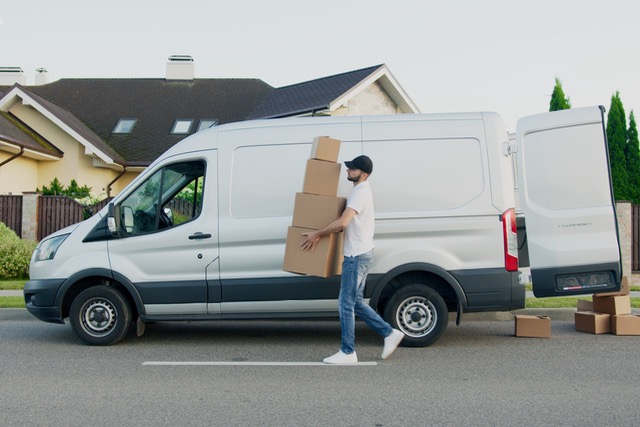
181	126
206	123
124	126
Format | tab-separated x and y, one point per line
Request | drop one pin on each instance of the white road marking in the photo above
253	364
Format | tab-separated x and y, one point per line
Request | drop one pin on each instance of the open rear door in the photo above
567	200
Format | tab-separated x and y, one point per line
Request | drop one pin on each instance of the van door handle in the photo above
199	235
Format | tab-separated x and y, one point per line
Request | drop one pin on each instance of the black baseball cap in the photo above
363	163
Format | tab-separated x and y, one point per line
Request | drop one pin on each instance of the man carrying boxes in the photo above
314	208
357	221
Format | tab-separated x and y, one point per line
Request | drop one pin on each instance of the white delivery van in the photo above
200	234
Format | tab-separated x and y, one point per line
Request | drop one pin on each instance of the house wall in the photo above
122	182
373	100
75	164
625	233
19	175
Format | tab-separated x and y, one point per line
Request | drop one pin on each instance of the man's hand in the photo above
309	243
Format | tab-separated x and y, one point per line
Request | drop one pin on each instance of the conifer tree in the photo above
617	140
633	160
558	99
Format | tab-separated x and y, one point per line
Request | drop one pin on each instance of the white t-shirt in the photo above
358	235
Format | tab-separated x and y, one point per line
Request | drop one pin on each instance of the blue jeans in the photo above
351	301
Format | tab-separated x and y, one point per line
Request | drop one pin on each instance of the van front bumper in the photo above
40	297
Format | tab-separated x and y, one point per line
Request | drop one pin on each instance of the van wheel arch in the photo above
79	282
438	279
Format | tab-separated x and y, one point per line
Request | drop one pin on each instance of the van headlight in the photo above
47	249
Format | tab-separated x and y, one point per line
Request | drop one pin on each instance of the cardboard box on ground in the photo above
593	323
533	326
314	208
608	313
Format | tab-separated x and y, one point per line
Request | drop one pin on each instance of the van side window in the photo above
168	198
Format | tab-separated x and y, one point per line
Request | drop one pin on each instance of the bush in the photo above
15	254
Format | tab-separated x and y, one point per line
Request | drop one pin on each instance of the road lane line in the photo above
253	364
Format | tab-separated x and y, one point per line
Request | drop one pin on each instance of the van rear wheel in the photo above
100	315
419	312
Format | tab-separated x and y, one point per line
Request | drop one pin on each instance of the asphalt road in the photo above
267	374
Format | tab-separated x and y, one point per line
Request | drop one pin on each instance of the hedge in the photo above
15	254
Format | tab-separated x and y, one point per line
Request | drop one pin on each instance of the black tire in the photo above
419	312
100	315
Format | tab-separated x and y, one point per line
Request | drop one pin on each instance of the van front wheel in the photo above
100	315
419	312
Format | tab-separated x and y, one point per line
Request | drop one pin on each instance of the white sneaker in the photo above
391	343
341	358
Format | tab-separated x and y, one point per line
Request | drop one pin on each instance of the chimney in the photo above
180	67
42	77
11	75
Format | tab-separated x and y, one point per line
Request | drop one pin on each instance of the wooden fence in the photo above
11	212
56	212
53	213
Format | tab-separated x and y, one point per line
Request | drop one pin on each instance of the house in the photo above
104	132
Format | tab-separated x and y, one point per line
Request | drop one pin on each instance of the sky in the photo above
448	55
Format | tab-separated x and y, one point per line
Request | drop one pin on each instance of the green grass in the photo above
564	302
11	302
12	285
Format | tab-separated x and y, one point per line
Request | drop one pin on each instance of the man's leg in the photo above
392	337
346	303
362	310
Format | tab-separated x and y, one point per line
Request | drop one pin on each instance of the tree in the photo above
74	190
617	140
558	100
56	188
633	160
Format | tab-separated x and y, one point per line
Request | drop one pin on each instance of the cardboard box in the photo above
325	148
321	178
620	304
324	261
624	289
593	323
314	211
533	326
584	305
625	324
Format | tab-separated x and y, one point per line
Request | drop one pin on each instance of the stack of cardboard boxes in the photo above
314	208
608	313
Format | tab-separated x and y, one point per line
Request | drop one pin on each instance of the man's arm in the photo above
313	237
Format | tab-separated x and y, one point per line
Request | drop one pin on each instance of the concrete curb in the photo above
17	293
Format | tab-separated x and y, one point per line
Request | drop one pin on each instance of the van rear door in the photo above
567	199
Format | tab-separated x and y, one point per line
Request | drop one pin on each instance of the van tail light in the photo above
510	236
